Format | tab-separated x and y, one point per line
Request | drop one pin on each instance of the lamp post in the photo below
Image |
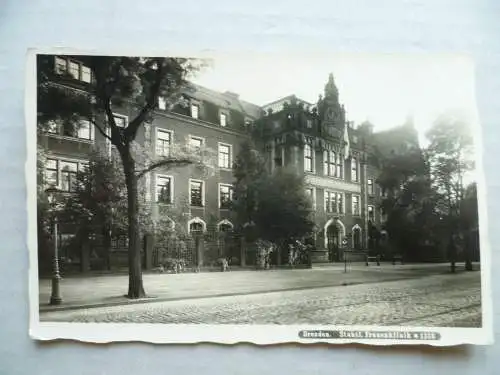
55	298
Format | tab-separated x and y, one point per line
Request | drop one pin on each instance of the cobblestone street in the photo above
437	300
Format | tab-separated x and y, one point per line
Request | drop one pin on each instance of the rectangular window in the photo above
224	156
51	175
60	65
196	144
162	103
163	142
355	205
69	171
370	186
332	159
334	202
308	158
74	69
225	196
85	130
194	111
309	124
121	121
223	119
164	189
332	164
329	163
338	165
196	193
354	170
371	213
86	75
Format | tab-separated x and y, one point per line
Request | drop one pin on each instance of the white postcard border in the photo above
226	334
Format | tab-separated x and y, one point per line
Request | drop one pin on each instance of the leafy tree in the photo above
449	153
275	205
132	82
249	168
284	209
410	202
98	203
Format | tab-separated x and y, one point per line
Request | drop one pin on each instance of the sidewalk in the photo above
109	290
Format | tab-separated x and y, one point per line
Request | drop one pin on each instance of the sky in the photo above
383	89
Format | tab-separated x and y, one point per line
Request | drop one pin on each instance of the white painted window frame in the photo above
202	192
172	195
359	205
157	138
196	220
231	191
313	159
219	144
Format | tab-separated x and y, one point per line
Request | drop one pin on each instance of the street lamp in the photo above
55	298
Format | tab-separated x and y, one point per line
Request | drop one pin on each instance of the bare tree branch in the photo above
172	162
134	125
103	133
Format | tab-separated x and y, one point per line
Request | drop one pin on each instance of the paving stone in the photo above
445	300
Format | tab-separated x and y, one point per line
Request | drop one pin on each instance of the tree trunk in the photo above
468	250
135	284
85	248
107	246
453	256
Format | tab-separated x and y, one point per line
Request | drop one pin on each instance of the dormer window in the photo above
195	109
223	119
60	65
75	69
162	103
85	74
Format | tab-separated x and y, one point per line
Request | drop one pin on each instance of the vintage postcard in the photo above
256	198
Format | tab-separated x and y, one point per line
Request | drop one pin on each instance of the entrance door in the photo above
356	238
332	235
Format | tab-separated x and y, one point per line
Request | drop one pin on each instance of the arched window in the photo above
356	237
224	226
196	226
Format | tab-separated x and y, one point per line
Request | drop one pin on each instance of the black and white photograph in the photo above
257	198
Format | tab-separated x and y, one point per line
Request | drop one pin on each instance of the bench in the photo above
373	259
397	258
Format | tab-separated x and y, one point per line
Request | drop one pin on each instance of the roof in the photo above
288	97
226	100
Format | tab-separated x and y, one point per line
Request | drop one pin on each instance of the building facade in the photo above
319	142
315	139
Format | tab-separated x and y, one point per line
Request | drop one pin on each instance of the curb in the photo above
48	309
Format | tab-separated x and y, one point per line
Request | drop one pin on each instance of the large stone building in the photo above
316	139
